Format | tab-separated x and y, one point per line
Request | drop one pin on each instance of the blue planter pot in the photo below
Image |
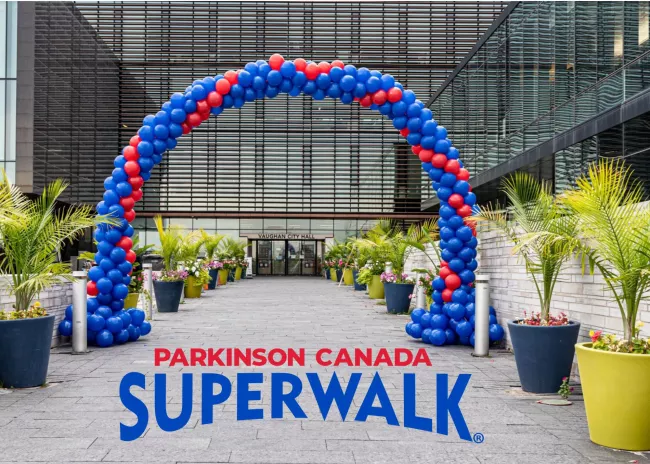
544	355
339	275
358	286
397	297
231	275
168	295
214	273
25	351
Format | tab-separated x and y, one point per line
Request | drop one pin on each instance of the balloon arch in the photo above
109	279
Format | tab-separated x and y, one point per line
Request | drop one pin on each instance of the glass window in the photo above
12	24
10	121
298	225
322	226
275	225
204	223
227	223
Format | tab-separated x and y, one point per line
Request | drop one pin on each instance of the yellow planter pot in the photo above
131	300
376	288
348	278
616	389
223	277
192	288
238	273
333	274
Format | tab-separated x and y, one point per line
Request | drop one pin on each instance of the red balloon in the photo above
312	71
132	168
202	106
455	201
439	160
194	119
127	203
379	97
366	101
276	61
443	263
425	155
135	140
300	64
324	67
223	86
444	271
452	281
130	153
452	166
91	288
446	295
136	195
136	182
463	174
125	243
129	215
232	77
394	95
130	256
464	211
338	64
186	128
416	149
404	132
214	99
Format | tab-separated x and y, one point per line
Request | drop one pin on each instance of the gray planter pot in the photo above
25	351
168	295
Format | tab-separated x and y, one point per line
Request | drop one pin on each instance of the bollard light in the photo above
482	316
389	267
79	314
421	300
148	275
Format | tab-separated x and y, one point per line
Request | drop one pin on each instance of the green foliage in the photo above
190	247
211	244
170	243
32	233
232	249
34	311
541	229
614	224
365	276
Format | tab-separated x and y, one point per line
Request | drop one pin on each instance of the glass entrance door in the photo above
308	258
286	257
279	257
294	257
264	257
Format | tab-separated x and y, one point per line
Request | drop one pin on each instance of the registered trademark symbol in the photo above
478	438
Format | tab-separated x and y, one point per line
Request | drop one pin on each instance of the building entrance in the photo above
286	257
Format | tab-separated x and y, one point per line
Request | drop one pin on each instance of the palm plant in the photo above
31	234
190	246
614	224
211	243
541	229
231	248
170	243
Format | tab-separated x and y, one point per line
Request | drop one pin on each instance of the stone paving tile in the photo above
76	418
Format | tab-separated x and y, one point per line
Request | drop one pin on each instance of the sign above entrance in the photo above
274	236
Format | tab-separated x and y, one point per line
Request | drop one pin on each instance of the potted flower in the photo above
136	285
197	276
168	286
32	233
615	372
543	232
224	272
243	263
213	270
398	289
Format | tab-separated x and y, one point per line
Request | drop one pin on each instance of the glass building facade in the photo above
551	87
8	81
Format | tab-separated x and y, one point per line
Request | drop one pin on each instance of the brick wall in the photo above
584	298
54	300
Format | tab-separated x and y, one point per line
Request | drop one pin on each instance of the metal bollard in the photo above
421	301
389	267
148	277
482	316
79	314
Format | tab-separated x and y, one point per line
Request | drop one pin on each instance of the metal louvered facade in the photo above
102	66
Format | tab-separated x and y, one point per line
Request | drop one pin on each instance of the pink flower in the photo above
596	336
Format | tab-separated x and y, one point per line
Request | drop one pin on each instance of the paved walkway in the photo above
76	417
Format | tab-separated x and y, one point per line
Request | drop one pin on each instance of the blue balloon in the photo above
146	133
124	189
413	111
348	83
104	285
387	82
446	211
464	329
442	146
441	133
112	237
439	321
161	132
359	90
453	323
493	311
425	320
450	336
117	255
323	81
461	187
104	338
125	316
122	336
416	330
456	265
472	339
251	68
198	92
145	149
466	276
115	276
137	316
111	197
145	328
347	98
456	311
448	179
428	127
104	298
436	174
414	124
417	314
177	100
68	312
125	267
470	199
447	255
146	164
399	109
413	138
493	319
116	210
114	324
435	308
496	333
373	84
426	333
120	291
92	304
472	320
119	175
437	297
104	311
438	337
428	143
65	328
95	273
455	222
464	233
134	333
408	326
459	296
95	322
117	305
427	167
439	284
466	254
109	183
